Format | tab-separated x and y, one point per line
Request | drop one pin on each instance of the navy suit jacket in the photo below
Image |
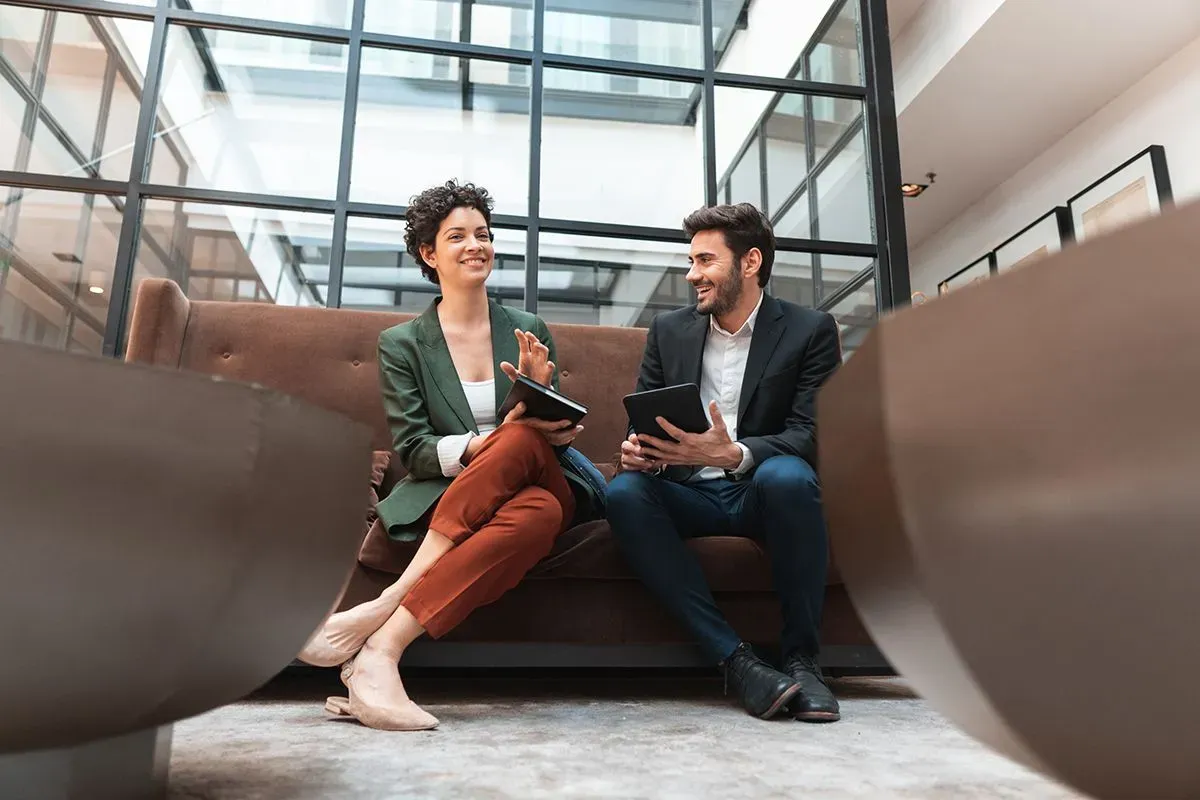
793	351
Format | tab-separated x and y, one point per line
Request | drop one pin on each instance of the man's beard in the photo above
723	296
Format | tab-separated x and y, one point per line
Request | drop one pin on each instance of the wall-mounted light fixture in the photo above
915	189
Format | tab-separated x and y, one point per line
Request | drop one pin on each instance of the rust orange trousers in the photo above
503	513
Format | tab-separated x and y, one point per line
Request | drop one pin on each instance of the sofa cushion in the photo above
328	357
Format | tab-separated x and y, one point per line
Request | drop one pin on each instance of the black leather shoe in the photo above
762	690
814	702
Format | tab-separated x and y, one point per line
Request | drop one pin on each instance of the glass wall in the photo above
264	152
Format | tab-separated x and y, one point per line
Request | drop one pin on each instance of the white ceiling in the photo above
899	14
1034	71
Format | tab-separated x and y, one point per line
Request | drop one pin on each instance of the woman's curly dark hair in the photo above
427	210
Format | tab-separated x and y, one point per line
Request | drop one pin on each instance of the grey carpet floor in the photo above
601	738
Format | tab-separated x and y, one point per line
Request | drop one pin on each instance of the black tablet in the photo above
541	402
679	405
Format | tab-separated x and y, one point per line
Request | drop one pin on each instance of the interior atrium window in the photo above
281	147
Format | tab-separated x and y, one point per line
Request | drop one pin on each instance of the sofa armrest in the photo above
160	315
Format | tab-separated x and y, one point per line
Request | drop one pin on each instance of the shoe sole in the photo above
819	716
780	702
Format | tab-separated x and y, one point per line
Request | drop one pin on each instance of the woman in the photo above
489	499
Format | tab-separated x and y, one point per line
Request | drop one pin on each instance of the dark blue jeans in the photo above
779	505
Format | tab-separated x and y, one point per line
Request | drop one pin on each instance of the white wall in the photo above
931	38
1162	108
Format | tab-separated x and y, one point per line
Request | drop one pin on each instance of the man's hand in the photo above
632	457
713	448
557	433
534	362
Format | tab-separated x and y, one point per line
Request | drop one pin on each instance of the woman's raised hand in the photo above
534	362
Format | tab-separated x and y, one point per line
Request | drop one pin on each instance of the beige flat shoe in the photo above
409	718
318	652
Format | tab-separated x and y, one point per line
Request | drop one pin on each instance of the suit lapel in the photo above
441	367
504	348
768	329
695	334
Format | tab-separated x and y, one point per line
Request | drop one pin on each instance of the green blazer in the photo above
424	401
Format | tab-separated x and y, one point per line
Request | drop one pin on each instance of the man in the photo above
759	362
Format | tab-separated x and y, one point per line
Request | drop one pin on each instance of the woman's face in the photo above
463	252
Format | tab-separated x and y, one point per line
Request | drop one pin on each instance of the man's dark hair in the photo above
743	226
429	209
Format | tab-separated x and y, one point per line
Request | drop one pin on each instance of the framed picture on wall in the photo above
1045	235
972	273
1138	188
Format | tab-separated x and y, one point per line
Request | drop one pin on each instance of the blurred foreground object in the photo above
1010	475
167	544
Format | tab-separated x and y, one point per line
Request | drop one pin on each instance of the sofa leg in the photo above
130	767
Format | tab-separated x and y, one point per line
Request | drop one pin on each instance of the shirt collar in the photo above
747	326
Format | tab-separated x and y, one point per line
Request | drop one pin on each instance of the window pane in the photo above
727	24
68	136
856	315
792	278
790	155
603	281
331	13
20	30
236	254
618	149
795	222
745	182
253	113
75	80
56	264
12	115
381	276
844	207
499	24
629	30
787	149
120	130
838	270
416	127
837	57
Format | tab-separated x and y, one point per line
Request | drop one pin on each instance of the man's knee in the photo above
629	490
789	477
627	499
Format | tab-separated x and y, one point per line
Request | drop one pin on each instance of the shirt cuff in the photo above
747	460
450	451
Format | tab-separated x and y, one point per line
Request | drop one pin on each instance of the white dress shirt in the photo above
724	367
481	397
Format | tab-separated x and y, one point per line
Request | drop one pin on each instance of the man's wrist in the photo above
730	457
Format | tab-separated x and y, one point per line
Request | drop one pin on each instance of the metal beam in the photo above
883	157
122	283
710	112
537	77
229	198
99	7
337	253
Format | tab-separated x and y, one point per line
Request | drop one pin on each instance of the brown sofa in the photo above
581	601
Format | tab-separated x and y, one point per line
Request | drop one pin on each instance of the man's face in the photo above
715	275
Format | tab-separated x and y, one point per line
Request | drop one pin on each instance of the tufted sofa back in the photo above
328	356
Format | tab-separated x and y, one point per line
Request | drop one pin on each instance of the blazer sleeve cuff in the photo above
450	451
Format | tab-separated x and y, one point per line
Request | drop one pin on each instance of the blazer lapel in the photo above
441	367
768	330
504	348
695	334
